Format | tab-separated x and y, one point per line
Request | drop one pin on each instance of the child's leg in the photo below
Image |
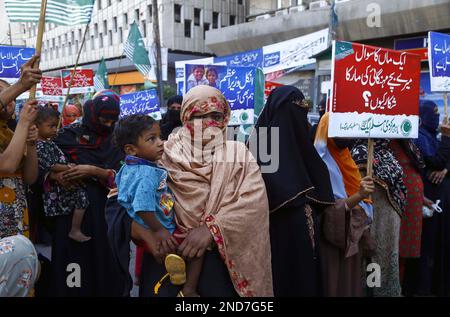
193	270
75	232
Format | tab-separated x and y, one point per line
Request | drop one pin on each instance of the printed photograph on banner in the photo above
12	58
236	83
83	81
375	92
439	60
141	102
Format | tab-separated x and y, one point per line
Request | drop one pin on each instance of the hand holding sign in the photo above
30	76
445	129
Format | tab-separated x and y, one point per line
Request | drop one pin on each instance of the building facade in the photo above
10	33
183	24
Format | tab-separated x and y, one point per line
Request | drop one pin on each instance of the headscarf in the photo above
226	193
301	175
69	114
171	119
387	171
429	118
344	173
90	142
19	266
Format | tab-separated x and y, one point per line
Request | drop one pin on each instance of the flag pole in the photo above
73	73
40	35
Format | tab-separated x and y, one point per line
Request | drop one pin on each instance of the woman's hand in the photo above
445	128
78	172
427	202
366	187
166	242
32	135
196	242
28	113
58	177
437	177
30	76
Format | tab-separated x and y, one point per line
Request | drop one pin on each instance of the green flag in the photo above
134	49
65	12
101	77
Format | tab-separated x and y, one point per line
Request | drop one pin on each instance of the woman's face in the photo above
7	112
211	124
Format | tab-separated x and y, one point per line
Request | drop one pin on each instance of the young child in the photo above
57	200
143	189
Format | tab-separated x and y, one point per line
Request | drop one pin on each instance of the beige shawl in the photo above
227	193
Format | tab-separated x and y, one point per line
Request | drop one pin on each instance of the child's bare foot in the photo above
78	236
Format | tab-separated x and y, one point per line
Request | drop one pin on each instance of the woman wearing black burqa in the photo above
297	190
89	146
171	119
433	277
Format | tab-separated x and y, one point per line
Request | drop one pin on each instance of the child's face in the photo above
48	128
149	145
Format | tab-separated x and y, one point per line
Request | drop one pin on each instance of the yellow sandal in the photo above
176	270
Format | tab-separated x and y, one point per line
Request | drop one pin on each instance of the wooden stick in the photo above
370	158
73	74
445	108
40	35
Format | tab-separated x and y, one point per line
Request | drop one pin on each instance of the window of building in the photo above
76	46
149	13
136	16
215	20
70	48
206	27
239	1
197	14
109	3
105	27
92	43
120	35
72	36
232	19
115	24
177	10
99	4
100	41
96	30
125	21
187	28
110	38
144	28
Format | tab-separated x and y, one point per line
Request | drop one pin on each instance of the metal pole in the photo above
157	41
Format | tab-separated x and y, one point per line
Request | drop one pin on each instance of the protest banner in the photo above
81	83
236	83
11	59
274	58
439	60
141	102
293	53
51	89
375	92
